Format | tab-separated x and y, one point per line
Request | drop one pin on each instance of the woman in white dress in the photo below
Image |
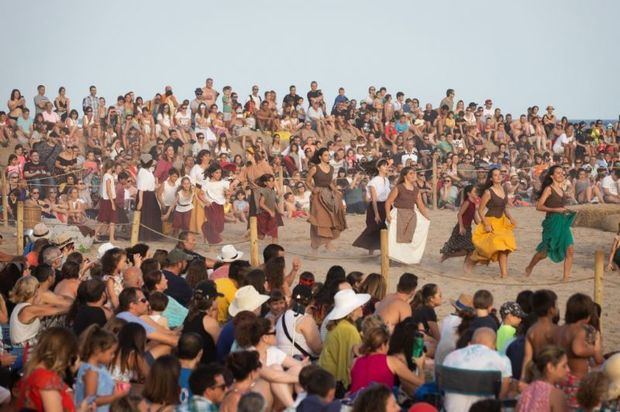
407	224
378	191
150	218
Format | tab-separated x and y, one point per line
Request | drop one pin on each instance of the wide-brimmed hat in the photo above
464	302
63	239
611	368
345	302
246	298
41	231
229	254
146	158
104	248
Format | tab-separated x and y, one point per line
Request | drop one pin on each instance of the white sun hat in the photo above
246	298
345	302
229	254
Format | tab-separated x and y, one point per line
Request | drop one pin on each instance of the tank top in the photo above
369	369
169	194
322	179
406	198
208	345
185	202
554	200
291	319
468	216
23	333
496	205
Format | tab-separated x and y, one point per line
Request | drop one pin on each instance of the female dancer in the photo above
215	192
459	243
378	191
557	239
407	225
107	208
150	219
493	238
183	206
326	210
269	210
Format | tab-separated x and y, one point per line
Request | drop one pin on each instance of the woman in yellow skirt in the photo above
493	238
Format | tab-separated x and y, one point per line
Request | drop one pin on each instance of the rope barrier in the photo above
237	242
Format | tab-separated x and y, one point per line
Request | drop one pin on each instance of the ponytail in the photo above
535	369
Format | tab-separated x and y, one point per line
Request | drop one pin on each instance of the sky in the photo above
519	53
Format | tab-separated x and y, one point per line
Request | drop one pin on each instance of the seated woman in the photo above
245	367
279	369
375	365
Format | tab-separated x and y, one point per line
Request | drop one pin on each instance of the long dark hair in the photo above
424	295
489	180
375	169
316	159
403	173
466	191
547	179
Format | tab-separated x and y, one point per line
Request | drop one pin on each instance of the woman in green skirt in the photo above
557	238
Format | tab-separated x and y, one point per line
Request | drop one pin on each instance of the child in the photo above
93	378
277	305
269	214
158	302
460	243
183	206
241	207
483	304
189	352
511	314
307	279
291	207
320	387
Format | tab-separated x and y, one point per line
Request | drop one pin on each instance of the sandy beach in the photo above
294	236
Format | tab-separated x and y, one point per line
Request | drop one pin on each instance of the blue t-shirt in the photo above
131	318
186	392
225	341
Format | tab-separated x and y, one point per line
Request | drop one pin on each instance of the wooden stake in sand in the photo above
5	199
599	268
135	227
385	257
434	181
20	228
254	260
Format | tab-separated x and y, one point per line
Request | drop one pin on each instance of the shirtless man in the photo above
209	94
395	307
540	334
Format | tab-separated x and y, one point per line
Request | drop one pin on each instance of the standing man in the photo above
448	100
40	100
91	101
255	97
209	93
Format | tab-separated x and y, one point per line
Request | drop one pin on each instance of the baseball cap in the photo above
512	308
177	255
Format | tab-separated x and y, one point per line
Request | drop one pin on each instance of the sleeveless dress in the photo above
408	229
105	384
457	242
556	234
370	238
500	239
535	397
326	218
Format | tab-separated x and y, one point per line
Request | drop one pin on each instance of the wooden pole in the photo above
20	228
385	257
434	182
135	227
254	259
281	182
599	268
5	199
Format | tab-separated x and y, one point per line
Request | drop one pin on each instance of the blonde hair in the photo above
56	349
25	288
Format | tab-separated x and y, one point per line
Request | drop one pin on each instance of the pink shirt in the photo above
221	272
369	369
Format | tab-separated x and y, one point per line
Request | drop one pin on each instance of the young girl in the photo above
129	364
184	205
459	243
269	210
107	208
113	263
215	195
93	378
241	206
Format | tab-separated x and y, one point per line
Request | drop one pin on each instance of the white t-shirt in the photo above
558	147
104	193
197	175
447	343
382	187
609	184
315	114
183	119
145	181
216	191
474	358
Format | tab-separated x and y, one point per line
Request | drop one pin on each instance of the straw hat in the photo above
611	367
229	254
464	302
63	239
41	231
246	298
345	302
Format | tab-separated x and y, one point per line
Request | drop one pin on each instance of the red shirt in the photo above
39	380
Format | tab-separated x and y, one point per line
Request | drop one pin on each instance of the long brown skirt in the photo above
214	226
327	218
